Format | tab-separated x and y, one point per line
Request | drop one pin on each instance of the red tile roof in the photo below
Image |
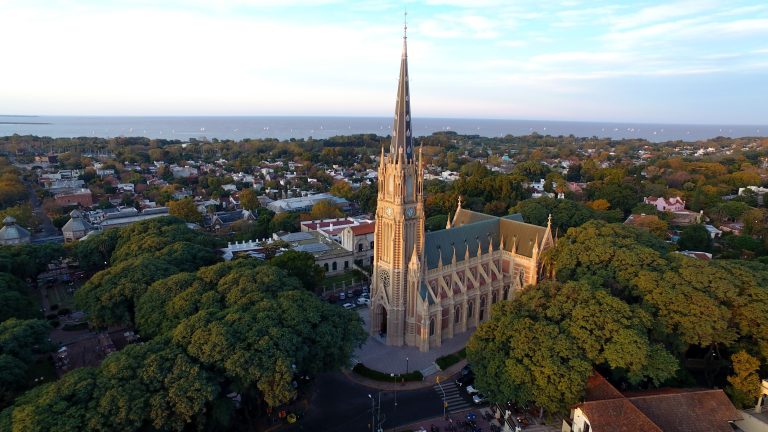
616	415
701	411
363	229
668	410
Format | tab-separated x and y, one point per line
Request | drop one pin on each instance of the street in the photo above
336	404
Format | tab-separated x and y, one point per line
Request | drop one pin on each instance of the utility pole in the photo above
373	413
445	404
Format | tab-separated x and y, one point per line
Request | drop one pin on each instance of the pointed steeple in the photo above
448	222
402	137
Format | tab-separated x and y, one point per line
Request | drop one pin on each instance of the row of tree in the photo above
617	300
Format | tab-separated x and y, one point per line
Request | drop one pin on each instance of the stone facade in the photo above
428	287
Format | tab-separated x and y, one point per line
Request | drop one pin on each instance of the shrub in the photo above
54	306
54	323
64	311
451	359
362	370
51	316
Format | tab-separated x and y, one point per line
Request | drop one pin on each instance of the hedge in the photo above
72	327
362	370
451	359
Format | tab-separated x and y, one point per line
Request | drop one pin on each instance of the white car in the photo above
348	306
479	398
363	301
471	390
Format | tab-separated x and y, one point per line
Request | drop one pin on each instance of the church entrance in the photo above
382	321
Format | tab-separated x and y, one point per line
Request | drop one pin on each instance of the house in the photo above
735	228
12	234
76	227
666	204
605	409
224	219
686	217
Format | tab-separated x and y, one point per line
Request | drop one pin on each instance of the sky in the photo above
699	62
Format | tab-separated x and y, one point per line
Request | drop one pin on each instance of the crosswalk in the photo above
455	396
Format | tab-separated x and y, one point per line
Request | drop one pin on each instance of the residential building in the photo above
666	204
429	286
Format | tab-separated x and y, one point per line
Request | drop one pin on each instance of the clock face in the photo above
384	278
410	212
388	211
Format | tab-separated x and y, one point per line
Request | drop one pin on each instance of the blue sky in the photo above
674	62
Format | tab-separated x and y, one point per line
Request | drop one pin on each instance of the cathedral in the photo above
429	286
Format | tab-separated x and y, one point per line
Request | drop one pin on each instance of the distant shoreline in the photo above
25	123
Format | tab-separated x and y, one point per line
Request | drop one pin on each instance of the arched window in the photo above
325	265
346	265
482	308
457	314
494	298
371	245
334	266
431	326
359	247
470	307
506	293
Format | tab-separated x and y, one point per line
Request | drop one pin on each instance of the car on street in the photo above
342	295
479	398
363	301
348	306
471	390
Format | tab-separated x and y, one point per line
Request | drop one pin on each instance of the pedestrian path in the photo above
455	397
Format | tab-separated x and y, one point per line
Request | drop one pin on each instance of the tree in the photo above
249	200
186	210
436	222
744	385
325	209
302	266
342	189
694	237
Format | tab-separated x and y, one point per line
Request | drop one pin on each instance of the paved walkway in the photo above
376	355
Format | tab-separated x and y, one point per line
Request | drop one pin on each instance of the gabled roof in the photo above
363	229
699	411
470	229
617	415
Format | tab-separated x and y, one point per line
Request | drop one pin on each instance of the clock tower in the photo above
399	235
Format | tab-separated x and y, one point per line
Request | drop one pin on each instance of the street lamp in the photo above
373	413
406	365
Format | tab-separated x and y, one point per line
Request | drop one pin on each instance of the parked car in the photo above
348	306
466	370
357	291
479	398
363	301
342	295
471	390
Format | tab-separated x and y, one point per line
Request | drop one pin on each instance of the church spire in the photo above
402	137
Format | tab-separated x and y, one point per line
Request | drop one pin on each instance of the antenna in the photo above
405	24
